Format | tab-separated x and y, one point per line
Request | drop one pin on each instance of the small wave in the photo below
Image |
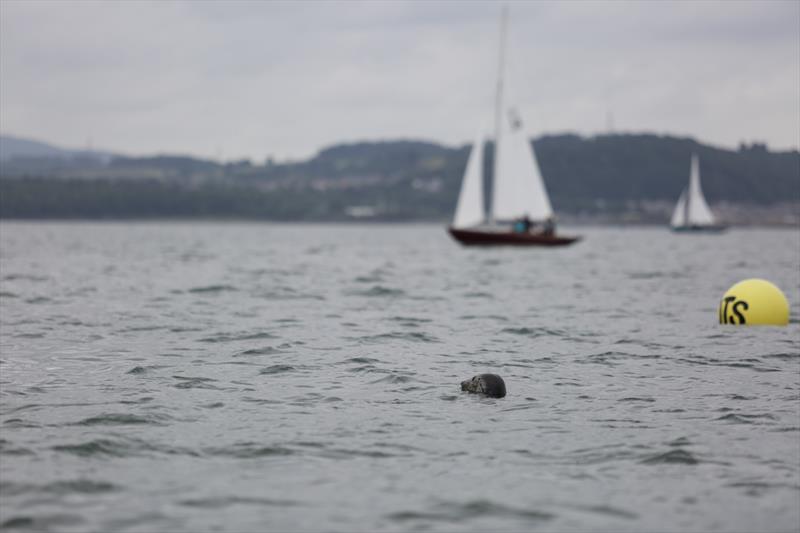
604	510
248	450
497	318
656	274
66	487
599	454
360	360
182	329
135	329
227	501
140	370
535	332
42	522
39	300
741	397
6	294
99	447
341	453
378	291
375	277
206	289
394	378
277	369
569	383
410	320
680	441
29	336
243	336
119	448
605	358
637	399
121	419
741	418
677	456
459	512
19	423
288	293
24	277
143	399
266	350
7	448
758	488
194	383
365	368
416	336
744	363
28	406
783	356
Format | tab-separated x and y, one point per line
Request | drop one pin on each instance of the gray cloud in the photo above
257	78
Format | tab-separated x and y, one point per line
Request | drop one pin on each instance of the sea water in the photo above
249	377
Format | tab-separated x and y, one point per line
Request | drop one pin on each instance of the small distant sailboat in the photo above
692	212
520	213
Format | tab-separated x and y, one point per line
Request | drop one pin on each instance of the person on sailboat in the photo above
549	227
523	225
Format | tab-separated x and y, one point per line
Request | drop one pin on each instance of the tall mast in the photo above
498	104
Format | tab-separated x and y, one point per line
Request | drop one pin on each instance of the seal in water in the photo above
488	384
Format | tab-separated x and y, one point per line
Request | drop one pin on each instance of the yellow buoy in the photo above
754	302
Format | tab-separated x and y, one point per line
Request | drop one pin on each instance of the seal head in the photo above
491	385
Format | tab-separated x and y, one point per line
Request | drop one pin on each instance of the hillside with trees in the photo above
608	178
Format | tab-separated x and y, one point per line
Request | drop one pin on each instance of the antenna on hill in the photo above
609	122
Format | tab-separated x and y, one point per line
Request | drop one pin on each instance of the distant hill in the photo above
613	178
18	148
11	147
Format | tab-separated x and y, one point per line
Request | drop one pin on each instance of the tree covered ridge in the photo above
392	180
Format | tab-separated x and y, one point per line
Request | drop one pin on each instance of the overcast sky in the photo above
256	79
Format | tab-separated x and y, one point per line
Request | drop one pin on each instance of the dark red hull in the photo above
475	237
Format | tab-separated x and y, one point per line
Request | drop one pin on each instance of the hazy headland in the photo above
612	178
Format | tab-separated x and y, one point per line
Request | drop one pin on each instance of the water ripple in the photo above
123	419
460	512
227	501
676	456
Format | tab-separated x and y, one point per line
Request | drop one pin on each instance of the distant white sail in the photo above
679	215
698	211
518	186
470	210
692	209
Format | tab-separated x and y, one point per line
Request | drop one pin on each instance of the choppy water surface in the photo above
244	377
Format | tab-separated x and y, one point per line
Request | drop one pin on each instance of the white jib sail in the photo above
469	210
679	215
697	211
518	186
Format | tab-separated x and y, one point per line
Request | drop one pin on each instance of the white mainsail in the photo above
469	210
697	209
518	186
692	209
679	215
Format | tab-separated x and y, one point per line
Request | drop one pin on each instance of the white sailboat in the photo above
520	210
692	212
